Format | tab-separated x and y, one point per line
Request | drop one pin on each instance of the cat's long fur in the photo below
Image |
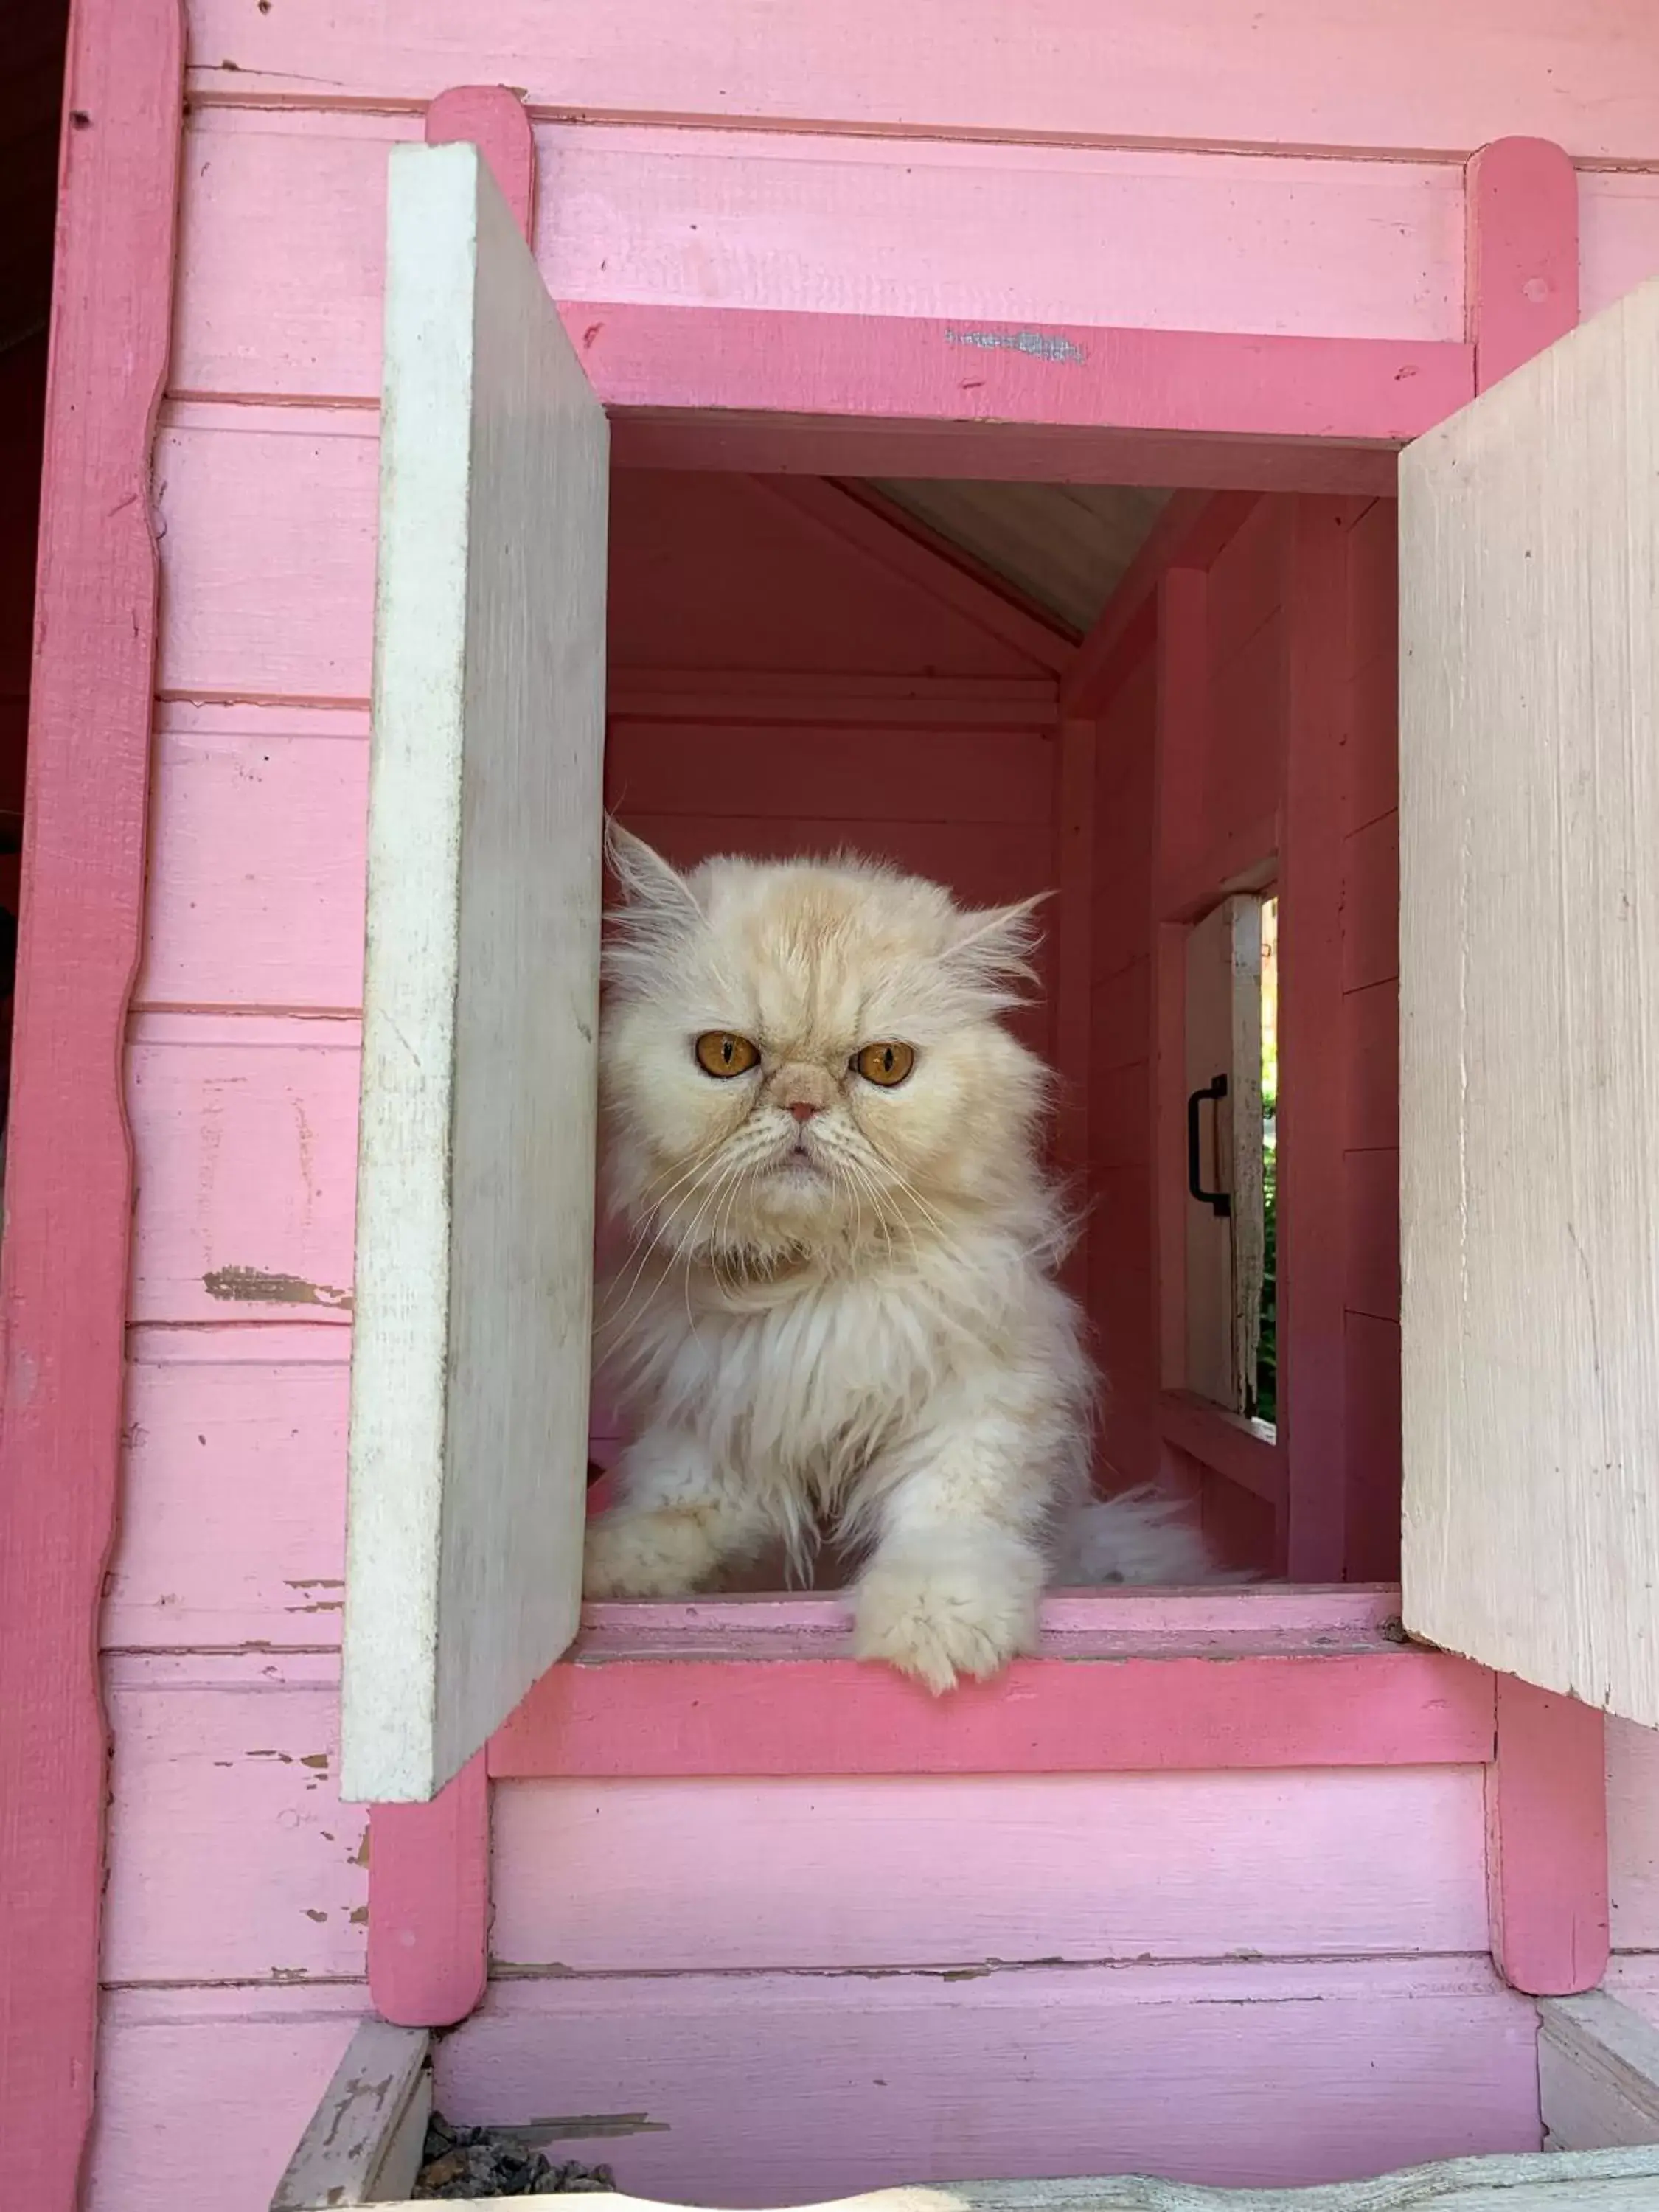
848	1321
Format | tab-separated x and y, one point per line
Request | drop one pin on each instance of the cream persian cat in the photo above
837	1313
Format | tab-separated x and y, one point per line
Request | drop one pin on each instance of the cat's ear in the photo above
994	950
650	887
658	908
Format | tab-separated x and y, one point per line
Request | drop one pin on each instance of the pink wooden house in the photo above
1202	461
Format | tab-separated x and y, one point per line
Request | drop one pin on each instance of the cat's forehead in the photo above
814	953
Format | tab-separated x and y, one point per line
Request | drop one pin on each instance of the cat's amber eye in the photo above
885	1064
721	1053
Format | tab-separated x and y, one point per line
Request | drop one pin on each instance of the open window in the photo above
1213	802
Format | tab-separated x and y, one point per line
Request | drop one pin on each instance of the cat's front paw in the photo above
938	1620
661	1554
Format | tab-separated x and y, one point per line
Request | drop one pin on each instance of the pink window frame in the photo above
843	395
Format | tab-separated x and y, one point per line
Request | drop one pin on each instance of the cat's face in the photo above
804	1056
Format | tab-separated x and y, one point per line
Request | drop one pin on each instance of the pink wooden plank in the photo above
1313	1078
1547	1842
231	1857
284	230
233	1524
1217	1621
1633	1835
1289	77
1371	905
1240	2074
203	2093
638	1717
1618	235
1373	747
652	1877
1226	1443
843	701
268	552
245	1131
63	1284
838	775
1371	1409
257	859
1523	252
1369	1211
1073	924
429	1904
1062	376
493	119
1371	1042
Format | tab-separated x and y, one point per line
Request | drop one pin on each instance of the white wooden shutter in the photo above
1530	1006
475	1194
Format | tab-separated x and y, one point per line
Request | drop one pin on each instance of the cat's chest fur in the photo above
808	1381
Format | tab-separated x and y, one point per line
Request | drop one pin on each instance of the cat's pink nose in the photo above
801	1110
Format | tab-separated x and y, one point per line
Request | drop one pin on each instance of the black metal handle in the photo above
1219	1201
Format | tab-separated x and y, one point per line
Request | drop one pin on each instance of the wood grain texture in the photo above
1598	2074
687	217
231	1857
256	844
240	2069
244	1131
714	1689
475	1194
233	1487
364	2144
68	1177
1528	707
654	1877
1238	2074
1633	1836
1294	78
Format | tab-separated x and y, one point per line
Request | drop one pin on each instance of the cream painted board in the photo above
1529	1019
364	2143
1598	2073
475	1196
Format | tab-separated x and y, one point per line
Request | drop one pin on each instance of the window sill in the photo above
1125	1680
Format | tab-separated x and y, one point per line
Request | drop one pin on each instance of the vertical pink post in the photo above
429	1865
1547	1842
1547	1802
1521	230
69	1173
428	1904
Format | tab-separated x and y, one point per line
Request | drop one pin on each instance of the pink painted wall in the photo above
1103	167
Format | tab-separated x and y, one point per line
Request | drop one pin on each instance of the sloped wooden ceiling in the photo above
1065	546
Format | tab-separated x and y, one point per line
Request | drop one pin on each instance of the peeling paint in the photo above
1037	346
261	1286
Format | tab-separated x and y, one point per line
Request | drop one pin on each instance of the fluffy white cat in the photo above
836	1310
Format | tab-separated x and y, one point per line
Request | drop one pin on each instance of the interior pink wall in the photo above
1232	783
714	575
